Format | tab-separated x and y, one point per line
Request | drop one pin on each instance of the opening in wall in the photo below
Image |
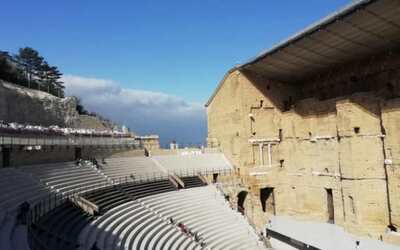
352	205
288	104
241	197
330	206
215	177
267	199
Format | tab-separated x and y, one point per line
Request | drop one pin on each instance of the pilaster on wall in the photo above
391	125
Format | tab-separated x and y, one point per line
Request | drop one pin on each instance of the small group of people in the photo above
184	229
80	162
94	162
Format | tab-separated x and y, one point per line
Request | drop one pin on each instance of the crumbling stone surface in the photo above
34	107
349	144
29	106
391	125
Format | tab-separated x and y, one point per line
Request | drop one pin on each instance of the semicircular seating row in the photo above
223	228
128	167
182	164
59	228
156	166
22	184
109	197
144	224
133	226
66	177
16	187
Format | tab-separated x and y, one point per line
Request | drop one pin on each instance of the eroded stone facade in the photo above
335	139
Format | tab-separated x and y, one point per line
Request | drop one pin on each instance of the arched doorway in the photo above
215	177
267	199
241	197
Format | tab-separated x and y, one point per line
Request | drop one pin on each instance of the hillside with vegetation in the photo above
29	69
32	93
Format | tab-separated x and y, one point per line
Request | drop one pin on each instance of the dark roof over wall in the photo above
361	29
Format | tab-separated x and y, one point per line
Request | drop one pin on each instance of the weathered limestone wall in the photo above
337	144
391	124
227	111
150	143
18	104
23	105
91	122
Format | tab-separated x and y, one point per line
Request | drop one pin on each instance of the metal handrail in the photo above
66	140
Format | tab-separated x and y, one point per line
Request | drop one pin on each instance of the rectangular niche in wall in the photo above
330	206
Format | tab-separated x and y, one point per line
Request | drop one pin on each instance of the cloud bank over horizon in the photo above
144	112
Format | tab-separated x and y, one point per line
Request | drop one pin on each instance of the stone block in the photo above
360	111
361	157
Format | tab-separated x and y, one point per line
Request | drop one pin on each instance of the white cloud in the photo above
143	111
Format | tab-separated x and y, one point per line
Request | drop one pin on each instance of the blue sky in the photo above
180	48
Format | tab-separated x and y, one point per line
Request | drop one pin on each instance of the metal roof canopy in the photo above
359	30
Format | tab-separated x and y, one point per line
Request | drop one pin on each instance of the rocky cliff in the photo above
23	105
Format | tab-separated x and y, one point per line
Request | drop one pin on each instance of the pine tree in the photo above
54	80
44	73
5	66
31	62
29	68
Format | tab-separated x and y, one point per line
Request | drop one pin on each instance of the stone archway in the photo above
241	198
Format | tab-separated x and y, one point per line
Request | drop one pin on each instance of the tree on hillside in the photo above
5	67
30	60
49	77
9	70
44	75
28	68
56	84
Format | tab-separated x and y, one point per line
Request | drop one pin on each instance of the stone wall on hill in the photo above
23	105
29	106
91	122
